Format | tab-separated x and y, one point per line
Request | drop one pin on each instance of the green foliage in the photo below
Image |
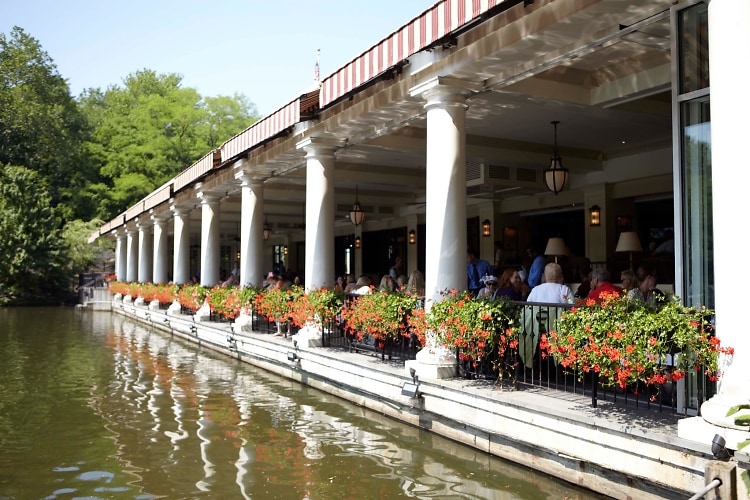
41	126
150	130
83	256
320	305
30	245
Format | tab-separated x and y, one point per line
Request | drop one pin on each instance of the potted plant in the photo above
320	306
626	342
380	315
191	297
276	305
479	329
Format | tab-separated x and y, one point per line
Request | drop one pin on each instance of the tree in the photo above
83	256
30	249
41	126
151	129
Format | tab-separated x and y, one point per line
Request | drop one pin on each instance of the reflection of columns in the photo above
181	264
251	239
132	273
319	213
121	258
145	252
729	39
161	266
209	239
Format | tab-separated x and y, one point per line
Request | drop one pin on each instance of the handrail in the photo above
710	486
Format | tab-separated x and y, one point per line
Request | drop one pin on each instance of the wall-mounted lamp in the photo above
486	227
356	214
411	389
286	250
595	215
266	230
238	255
412	237
556	176
357	242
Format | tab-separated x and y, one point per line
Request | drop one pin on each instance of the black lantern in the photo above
556	176
486	227
356	214
266	230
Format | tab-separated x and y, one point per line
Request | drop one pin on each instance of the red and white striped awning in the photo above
261	131
435	23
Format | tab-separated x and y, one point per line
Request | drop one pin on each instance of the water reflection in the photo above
168	419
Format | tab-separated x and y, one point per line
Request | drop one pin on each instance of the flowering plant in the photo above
224	301
192	296
382	315
320	305
165	294
626	341
119	287
473	326
276	303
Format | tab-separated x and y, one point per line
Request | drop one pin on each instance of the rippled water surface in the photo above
93	405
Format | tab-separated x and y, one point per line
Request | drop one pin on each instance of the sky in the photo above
265	50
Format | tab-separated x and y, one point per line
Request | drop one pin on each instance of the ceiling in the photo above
609	89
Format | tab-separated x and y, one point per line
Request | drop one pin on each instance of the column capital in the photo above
247	178
143	221
209	197
319	147
445	90
179	210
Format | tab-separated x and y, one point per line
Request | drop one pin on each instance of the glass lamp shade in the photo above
556	177
595	215
556	246
266	232
356	214
628	242
486	227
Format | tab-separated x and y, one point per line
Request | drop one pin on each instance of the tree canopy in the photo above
66	161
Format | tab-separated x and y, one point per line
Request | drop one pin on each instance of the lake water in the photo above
93	405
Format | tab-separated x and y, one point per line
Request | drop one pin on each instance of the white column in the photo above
251	238
209	239
132	269
729	51
319	213
181	259
161	248
121	257
145	252
445	266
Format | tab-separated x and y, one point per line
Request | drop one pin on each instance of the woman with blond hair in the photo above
553	290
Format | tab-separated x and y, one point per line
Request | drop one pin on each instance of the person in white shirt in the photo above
552	290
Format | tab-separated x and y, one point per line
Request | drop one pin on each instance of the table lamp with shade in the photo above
556	247
629	242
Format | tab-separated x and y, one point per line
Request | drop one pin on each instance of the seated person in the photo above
647	293
553	290
628	281
601	286
510	285
387	284
489	291
363	286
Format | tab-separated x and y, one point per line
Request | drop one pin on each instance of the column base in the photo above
244	322
203	314
714	420
174	308
153	305
432	363
310	335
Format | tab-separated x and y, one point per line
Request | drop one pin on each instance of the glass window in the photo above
693	46
697	208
